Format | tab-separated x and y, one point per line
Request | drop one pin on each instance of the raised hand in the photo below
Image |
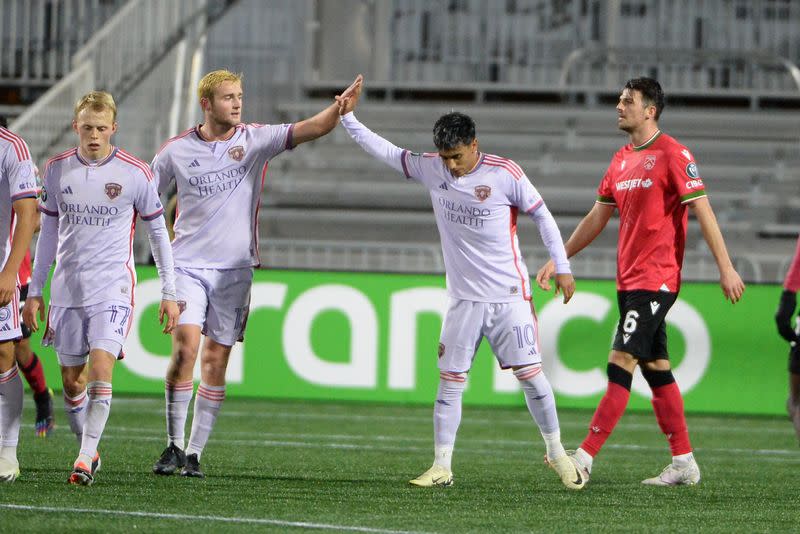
348	99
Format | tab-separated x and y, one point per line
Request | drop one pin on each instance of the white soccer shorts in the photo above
510	328
217	300
9	320
73	332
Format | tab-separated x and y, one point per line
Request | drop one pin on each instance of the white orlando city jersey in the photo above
17	180
96	204
219	192
477	219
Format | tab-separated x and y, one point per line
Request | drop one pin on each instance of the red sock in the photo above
668	405
34	374
606	417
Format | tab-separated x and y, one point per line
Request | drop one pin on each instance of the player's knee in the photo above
619	375
451	383
656	377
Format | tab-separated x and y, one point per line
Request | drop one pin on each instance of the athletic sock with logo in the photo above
542	406
610	409
207	403
75	408
447	416
177	396
96	417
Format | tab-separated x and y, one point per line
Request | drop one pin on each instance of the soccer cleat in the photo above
671	475
81	475
572	474
44	413
96	463
192	467
9	471
435	476
171	459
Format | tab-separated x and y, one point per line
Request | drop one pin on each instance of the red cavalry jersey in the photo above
651	185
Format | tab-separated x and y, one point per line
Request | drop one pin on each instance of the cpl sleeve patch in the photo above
691	170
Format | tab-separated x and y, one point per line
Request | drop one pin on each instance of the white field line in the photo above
695	425
215	518
336	441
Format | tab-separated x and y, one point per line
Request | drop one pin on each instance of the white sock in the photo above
207	403
8	453
96	417
542	406
584	458
75	408
447	416
682	460
10	409
177	396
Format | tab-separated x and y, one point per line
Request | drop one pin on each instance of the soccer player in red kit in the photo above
651	181
783	318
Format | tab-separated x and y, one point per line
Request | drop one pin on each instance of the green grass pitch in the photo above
275	466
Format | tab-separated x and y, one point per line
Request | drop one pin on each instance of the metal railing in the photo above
39	37
114	59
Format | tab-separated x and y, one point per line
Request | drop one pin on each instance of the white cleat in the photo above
688	475
9	471
435	476
572	474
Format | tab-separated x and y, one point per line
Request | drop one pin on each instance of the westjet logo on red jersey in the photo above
634	183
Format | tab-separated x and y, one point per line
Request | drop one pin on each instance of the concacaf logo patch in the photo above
236	153
691	170
482	192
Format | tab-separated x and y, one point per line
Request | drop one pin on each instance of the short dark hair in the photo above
3	121
652	95
452	130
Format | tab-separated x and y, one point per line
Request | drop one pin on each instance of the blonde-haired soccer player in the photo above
89	202
219	168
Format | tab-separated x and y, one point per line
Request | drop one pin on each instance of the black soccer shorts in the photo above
794	360
642	328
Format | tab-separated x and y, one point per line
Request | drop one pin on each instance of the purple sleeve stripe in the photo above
403	155
535	206
152	216
289	138
24	194
47	211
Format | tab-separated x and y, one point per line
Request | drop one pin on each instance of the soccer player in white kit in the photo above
476	198
91	197
18	189
219	168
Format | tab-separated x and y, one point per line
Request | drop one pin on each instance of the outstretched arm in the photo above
324	121
729	279
586	232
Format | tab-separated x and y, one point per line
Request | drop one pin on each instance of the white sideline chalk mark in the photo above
220	519
786	455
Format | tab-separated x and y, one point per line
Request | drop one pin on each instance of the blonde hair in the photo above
212	80
97	101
